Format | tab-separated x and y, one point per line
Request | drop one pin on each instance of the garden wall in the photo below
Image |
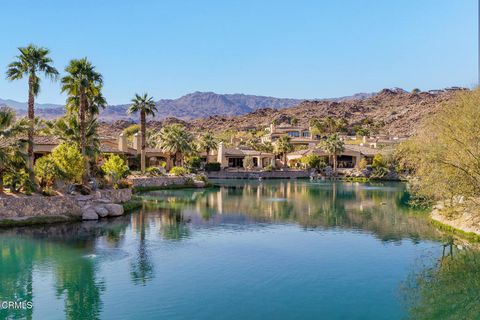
257	175
158	181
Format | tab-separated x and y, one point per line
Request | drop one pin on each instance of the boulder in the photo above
101	211
89	214
199	184
114	210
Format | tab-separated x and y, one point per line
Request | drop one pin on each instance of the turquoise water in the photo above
244	250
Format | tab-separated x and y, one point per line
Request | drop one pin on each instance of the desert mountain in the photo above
399	111
191	106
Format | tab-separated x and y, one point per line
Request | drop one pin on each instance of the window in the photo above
235	162
306	134
293	134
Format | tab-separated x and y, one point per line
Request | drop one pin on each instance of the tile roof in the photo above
245	152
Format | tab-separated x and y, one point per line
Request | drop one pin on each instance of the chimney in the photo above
122	143
220	153
137	142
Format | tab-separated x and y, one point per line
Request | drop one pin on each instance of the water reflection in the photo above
142	269
68	251
449	288
75	254
378	208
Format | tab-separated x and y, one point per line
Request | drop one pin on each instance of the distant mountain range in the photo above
188	107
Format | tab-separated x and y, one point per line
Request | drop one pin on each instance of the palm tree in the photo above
95	99
283	146
10	146
175	140
31	61
82	84
146	106
333	145
67	128
327	126
207	142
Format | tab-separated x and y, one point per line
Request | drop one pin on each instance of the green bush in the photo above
362	164
268	168
378	162
212	166
19	180
153	171
46	171
115	168
193	163
201	177
313	161
69	162
178	171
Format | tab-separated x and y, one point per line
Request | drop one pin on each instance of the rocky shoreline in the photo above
460	219
19	210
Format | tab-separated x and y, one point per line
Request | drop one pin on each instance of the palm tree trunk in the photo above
1	182
334	163
143	132
83	102
83	139
208	151
31	117
285	159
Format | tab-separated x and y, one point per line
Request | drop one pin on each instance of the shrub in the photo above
45	171
69	162
193	163
19	179
362	164
212	166
115	168
312	161
201	177
378	162
268	168
178	171
248	163
153	171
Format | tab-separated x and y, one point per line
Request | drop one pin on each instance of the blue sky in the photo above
297	49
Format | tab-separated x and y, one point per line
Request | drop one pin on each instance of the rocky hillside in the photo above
401	112
191	106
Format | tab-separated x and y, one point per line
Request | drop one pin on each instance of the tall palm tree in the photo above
67	128
207	142
333	145
31	62
283	146
82	84
146	107
11	147
175	140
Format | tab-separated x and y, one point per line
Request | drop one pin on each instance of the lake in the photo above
285	249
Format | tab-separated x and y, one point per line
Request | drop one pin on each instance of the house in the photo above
299	135
348	159
233	157
45	144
